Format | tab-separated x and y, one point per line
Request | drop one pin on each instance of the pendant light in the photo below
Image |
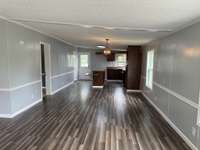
107	50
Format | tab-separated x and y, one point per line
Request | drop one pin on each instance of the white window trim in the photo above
70	60
147	70
116	60
87	63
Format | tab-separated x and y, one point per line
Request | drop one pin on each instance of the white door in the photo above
84	72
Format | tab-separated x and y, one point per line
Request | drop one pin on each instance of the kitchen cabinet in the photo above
98	78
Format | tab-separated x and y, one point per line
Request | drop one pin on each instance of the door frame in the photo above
89	62
47	54
75	53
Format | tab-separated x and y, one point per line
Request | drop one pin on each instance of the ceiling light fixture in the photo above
107	50
101	46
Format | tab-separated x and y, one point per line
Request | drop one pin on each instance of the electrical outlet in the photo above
193	131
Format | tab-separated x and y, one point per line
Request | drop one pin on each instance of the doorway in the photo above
45	69
84	70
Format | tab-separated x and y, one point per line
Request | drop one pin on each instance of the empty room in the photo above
100	75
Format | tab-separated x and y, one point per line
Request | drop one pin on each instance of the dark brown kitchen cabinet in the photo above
133	74
111	57
98	78
114	73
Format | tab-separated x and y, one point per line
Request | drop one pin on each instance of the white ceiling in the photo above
89	22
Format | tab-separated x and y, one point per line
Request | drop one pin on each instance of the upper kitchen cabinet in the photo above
111	57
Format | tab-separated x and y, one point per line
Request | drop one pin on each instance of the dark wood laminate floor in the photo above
82	118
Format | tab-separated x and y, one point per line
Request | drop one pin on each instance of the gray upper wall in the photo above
24	58
59	50
24	55
20	65
4	83
177	79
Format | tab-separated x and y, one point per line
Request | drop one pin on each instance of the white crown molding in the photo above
36	30
96	48
17	21
92	26
179	29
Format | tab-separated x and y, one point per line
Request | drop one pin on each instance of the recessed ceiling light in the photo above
86	26
21	42
101	46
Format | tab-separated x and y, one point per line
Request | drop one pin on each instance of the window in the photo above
149	69
198	117
84	60
70	59
121	59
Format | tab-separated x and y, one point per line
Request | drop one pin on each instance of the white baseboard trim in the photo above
31	105
185	138
133	91
56	91
20	111
100	87
5	115
26	108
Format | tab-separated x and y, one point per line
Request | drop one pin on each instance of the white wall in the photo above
20	77
177	79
